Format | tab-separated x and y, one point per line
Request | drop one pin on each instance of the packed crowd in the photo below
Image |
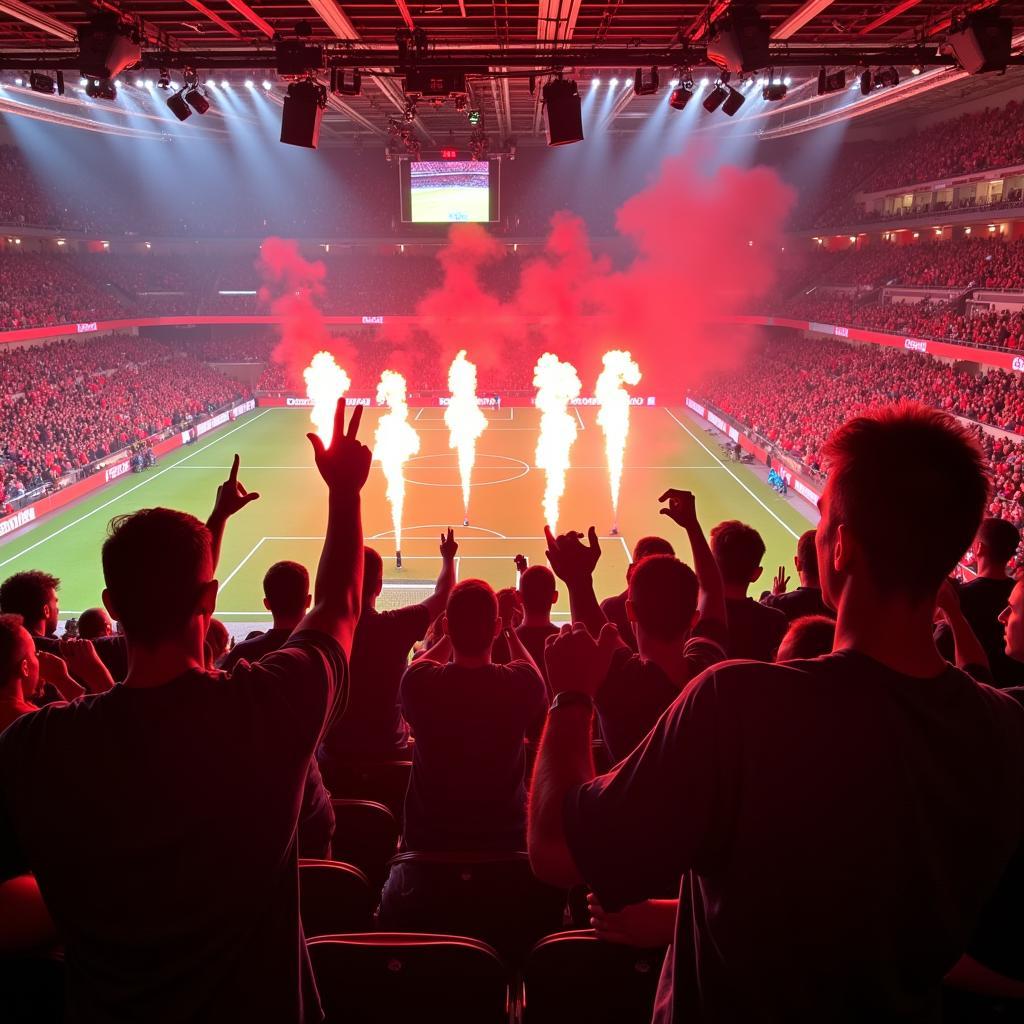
961	263
774	891
979	140
37	290
795	391
66	405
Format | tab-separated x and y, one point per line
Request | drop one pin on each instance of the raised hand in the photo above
232	495
346	464
682	508
85	664
510	608
780	582
570	559
521	563
576	661
449	546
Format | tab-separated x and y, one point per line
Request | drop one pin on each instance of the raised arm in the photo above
438	600
337	593
967	649
576	663
682	510
573	563
231	496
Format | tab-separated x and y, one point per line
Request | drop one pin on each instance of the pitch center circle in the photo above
443	470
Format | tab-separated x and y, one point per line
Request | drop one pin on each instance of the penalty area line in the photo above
234	572
789	529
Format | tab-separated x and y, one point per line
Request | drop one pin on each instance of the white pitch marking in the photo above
781	523
148	480
576	410
234	572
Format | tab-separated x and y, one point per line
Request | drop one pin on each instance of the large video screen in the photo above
449	191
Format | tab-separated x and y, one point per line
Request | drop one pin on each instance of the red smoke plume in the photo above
291	286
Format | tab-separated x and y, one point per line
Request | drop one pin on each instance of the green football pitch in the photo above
666	449
436	205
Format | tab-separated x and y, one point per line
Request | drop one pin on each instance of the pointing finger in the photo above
233	476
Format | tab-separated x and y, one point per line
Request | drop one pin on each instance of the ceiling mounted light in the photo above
680	96
734	101
178	107
716	97
164	81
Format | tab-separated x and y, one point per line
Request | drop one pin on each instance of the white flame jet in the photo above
396	441
557	384
613	416
326	382
465	421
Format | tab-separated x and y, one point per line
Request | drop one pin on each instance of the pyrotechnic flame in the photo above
326	382
613	414
466	422
557	383
395	442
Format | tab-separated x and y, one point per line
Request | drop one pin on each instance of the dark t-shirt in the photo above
372	724
614	609
636	692
981	601
836	826
170	865
798	603
755	631
255	647
467	790
533	639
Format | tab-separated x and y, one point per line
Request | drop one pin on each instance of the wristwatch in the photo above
572	698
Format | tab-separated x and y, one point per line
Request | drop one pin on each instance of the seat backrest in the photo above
575	976
383	781
366	835
334	897
384	977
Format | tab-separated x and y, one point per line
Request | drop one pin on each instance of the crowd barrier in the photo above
807	489
113	470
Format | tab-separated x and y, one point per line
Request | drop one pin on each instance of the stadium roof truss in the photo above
509	49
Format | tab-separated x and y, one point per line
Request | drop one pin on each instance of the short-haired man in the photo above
19	670
983	599
678	616
754	630
470	719
94	623
173	880
614	608
372	726
286	596
807	598
538	593
837	824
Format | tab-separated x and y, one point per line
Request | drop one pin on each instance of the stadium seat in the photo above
576	978
389	977
334	897
366	835
492	896
383	781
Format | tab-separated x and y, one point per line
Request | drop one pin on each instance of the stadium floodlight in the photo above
716	98
774	91
178	107
196	99
266	85
887	78
733	101
101	89
680	96
42	83
164	81
829	83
